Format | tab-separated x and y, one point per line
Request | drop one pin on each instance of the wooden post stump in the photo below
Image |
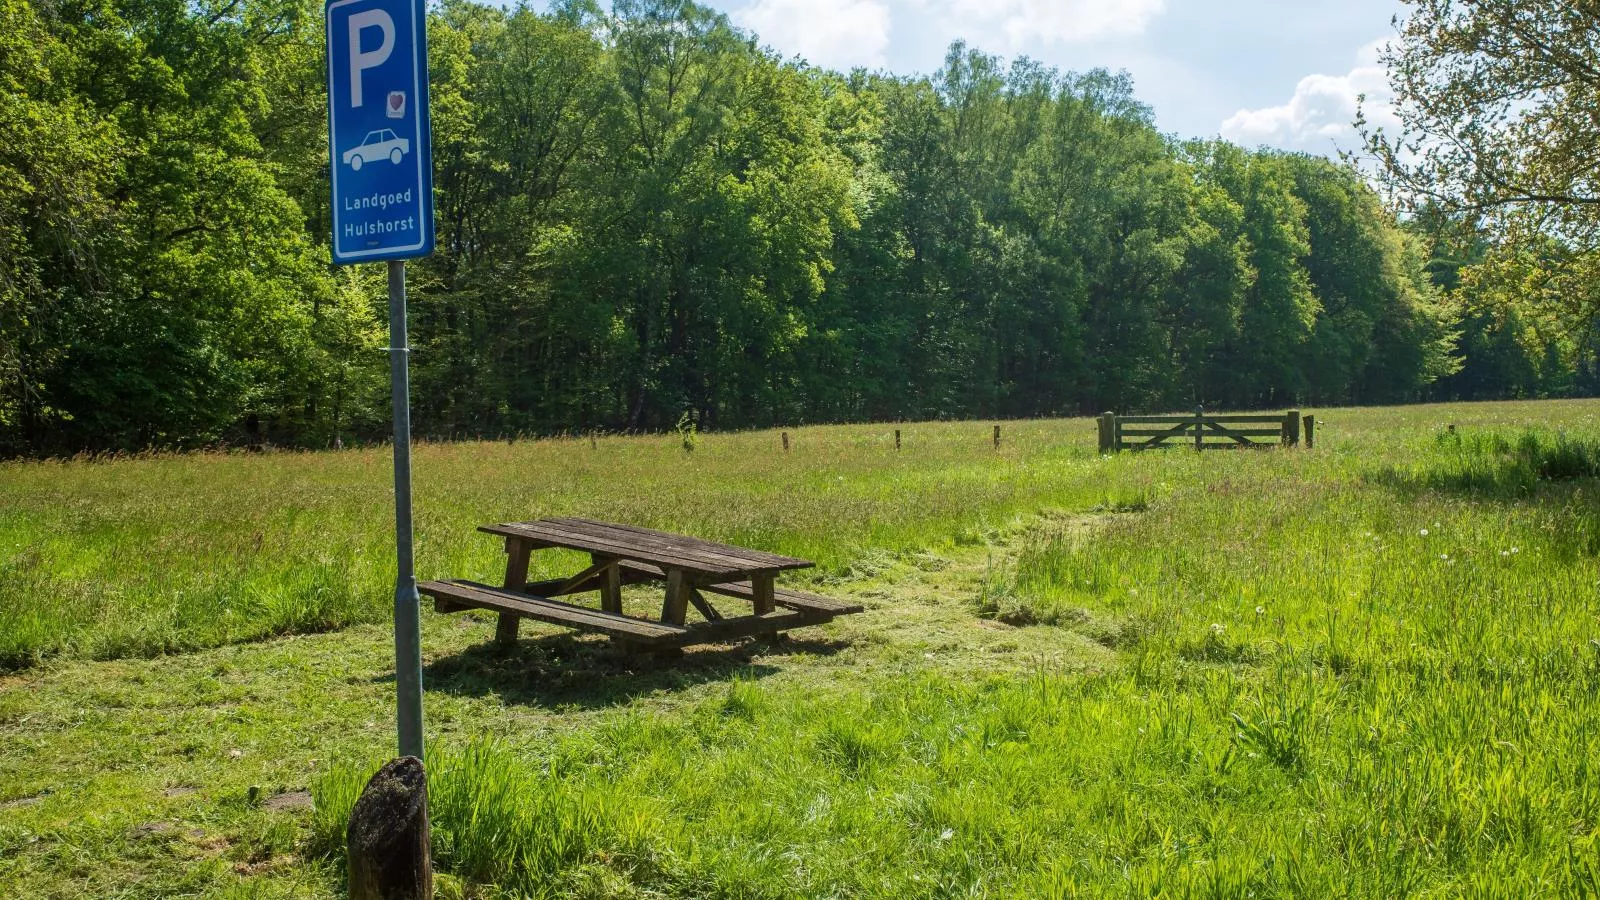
388	835
1199	428
786	442
897	439
997	437
1108	432
1310	431
1291	428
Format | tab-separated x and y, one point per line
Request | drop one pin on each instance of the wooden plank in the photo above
697	563
1246	432
705	608
1188	419
597	568
1218	431
560	536
677	541
1160	439
667	539
746	626
788	599
1179	431
479	596
662	550
637	543
552	587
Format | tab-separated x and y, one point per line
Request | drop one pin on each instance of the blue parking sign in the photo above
378	142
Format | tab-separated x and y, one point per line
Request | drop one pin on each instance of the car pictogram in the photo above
377	145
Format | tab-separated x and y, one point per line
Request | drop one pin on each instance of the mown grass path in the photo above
1367	670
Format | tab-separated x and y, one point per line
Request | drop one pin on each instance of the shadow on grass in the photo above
565	670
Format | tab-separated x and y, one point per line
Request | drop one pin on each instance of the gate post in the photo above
1291	428
1199	428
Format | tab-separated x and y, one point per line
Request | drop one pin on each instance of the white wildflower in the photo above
1216	628
1424	532
1261	610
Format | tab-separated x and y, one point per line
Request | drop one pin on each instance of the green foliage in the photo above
642	212
1493	99
688	432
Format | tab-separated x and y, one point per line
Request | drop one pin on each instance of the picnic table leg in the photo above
763	594
610	587
676	607
517	552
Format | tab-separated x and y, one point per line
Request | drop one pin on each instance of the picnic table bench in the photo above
622	555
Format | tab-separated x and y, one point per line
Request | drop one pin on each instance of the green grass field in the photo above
1366	670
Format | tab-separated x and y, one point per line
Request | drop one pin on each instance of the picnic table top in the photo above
661	548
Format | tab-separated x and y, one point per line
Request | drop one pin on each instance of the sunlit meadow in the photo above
1367	669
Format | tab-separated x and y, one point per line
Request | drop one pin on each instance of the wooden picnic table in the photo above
622	555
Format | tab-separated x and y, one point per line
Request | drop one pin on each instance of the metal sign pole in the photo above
380	164
407	612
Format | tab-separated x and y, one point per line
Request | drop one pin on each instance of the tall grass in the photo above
1165	778
1332	683
152	555
1369	670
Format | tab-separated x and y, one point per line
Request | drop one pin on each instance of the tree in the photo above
1496	99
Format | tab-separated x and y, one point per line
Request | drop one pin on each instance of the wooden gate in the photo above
1200	431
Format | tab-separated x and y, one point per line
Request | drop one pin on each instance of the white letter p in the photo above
372	18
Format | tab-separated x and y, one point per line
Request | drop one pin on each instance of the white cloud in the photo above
1318	117
837	34
1007	26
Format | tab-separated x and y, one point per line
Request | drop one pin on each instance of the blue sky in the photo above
1282	74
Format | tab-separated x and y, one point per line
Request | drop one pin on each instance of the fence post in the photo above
997	437
388	835
1291	428
786	442
1310	422
1106	444
1199	428
897	439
